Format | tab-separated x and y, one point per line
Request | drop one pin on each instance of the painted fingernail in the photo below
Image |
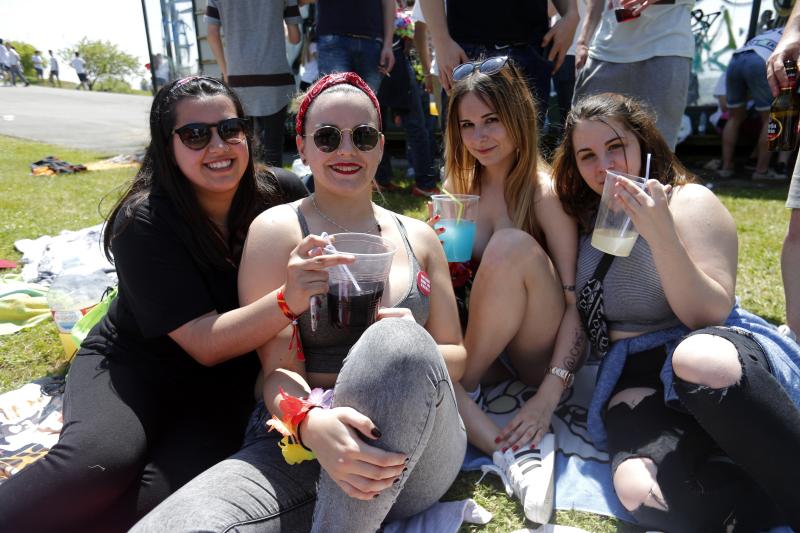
374	497
497	440
405	470
504	448
376	433
514	448
396	481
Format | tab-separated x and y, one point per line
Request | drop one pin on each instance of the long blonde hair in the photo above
507	93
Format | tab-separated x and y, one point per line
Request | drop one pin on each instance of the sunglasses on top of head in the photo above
328	138
197	135
489	66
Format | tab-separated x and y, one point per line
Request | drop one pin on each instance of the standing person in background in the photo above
309	66
788	48
38	64
746	74
648	57
80	69
564	78
53	69
161	66
402	92
15	65
4	70
253	62
520	29
360	44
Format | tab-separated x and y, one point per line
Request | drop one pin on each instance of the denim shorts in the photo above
747	74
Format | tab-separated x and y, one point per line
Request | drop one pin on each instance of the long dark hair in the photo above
160	174
575	195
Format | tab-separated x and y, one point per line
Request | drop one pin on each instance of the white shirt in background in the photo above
79	65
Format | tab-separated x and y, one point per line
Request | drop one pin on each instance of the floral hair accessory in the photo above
294	411
326	82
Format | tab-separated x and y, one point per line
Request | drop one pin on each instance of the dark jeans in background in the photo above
419	148
269	134
343	53
564	82
530	58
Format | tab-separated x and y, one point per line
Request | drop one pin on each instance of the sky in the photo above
57	24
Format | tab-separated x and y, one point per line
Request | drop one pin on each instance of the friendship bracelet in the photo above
284	307
294	411
568	288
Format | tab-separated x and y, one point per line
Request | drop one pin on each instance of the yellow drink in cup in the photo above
614	233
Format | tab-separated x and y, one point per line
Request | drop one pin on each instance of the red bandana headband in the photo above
350	78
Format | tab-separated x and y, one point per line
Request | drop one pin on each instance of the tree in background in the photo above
105	62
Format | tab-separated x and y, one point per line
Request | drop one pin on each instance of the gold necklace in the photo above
329	219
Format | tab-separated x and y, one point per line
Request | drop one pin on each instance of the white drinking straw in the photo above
331	250
647	168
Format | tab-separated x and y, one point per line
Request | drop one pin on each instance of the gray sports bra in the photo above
326	348
633	298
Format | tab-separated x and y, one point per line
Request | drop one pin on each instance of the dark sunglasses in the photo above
489	66
328	138
196	136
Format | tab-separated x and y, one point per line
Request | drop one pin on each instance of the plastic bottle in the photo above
702	121
73	293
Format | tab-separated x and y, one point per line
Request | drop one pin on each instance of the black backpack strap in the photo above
602	267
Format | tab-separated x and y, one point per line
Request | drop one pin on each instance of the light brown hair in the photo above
508	95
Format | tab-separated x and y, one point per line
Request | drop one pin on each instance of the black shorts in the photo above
82	77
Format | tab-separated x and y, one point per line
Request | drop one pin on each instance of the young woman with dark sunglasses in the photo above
521	299
392	442
163	386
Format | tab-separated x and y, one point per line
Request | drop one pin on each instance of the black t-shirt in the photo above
162	287
354	17
501	22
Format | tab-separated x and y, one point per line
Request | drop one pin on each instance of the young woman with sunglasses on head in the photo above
162	387
521	302
392	441
696	399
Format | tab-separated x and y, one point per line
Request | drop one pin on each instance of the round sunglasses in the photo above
328	138
489	66
197	135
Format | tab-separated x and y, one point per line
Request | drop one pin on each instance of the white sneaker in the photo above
769	175
528	474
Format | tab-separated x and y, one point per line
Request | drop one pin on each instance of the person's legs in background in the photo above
426	176
269	133
790	255
334	54
366	58
564	81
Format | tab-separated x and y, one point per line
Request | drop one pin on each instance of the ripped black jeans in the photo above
727	463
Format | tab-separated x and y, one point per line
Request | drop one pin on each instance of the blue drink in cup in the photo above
457	215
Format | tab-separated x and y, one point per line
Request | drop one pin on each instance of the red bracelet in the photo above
284	307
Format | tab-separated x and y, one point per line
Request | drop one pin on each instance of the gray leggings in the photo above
396	376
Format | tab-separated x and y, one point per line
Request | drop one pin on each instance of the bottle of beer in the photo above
785	114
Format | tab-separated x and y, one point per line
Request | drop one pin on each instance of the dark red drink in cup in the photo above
355	290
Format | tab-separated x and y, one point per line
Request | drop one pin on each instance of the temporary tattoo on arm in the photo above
577	352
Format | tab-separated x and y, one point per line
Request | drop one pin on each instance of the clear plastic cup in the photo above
614	232
355	290
458	213
74	293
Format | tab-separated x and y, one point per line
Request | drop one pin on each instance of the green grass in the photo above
32	206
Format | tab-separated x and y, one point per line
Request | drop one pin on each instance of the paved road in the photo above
108	123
